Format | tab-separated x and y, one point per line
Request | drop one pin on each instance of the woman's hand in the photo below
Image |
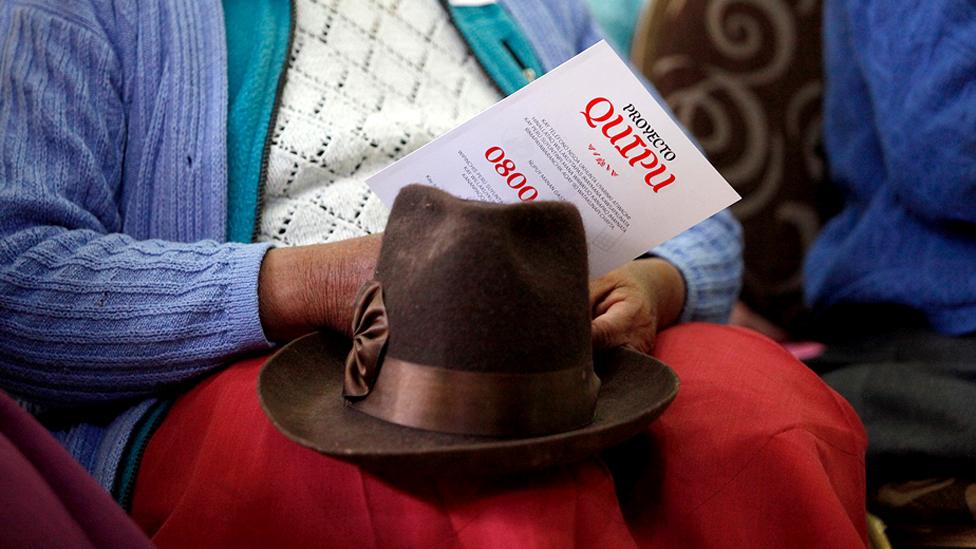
304	288
630	304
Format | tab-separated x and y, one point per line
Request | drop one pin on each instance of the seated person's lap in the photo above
747	414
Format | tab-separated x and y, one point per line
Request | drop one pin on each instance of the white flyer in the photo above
587	132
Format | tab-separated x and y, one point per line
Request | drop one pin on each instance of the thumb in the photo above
606	333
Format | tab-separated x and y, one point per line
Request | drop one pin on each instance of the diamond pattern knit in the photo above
368	82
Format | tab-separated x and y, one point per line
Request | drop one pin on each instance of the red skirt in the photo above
756	451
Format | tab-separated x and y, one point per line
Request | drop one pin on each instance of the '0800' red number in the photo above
506	168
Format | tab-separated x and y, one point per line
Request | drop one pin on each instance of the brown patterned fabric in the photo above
745	76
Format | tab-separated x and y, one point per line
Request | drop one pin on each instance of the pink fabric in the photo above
804	350
755	451
46	498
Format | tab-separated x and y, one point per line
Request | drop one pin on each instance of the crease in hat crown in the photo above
477	321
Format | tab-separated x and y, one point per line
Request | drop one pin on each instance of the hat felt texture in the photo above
471	351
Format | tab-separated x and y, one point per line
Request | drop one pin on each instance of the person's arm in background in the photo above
89	315
695	276
918	63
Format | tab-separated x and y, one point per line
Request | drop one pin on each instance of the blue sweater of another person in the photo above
900	136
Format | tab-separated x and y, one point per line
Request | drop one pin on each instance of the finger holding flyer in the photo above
587	132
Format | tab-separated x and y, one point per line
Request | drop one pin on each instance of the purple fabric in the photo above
46	498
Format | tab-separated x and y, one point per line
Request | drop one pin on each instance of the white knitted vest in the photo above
368	81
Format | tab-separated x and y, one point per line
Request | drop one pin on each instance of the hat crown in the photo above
480	359
485	287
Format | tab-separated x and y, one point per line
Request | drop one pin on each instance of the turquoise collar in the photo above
497	42
258	34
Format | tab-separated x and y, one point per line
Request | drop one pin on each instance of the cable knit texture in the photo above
367	83
113	286
112	194
90	314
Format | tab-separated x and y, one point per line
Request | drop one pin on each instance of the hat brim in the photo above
300	388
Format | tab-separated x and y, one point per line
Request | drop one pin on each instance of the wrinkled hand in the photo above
306	288
630	304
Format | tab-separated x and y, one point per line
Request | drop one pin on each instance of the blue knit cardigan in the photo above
117	283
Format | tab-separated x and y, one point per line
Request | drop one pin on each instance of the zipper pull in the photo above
527	71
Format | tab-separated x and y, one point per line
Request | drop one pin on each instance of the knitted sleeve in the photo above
708	255
87	314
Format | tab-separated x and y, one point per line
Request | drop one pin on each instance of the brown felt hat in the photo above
471	350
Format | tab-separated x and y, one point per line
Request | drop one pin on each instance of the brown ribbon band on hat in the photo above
458	401
481	403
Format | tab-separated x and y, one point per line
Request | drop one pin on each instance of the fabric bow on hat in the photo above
471	350
370	330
